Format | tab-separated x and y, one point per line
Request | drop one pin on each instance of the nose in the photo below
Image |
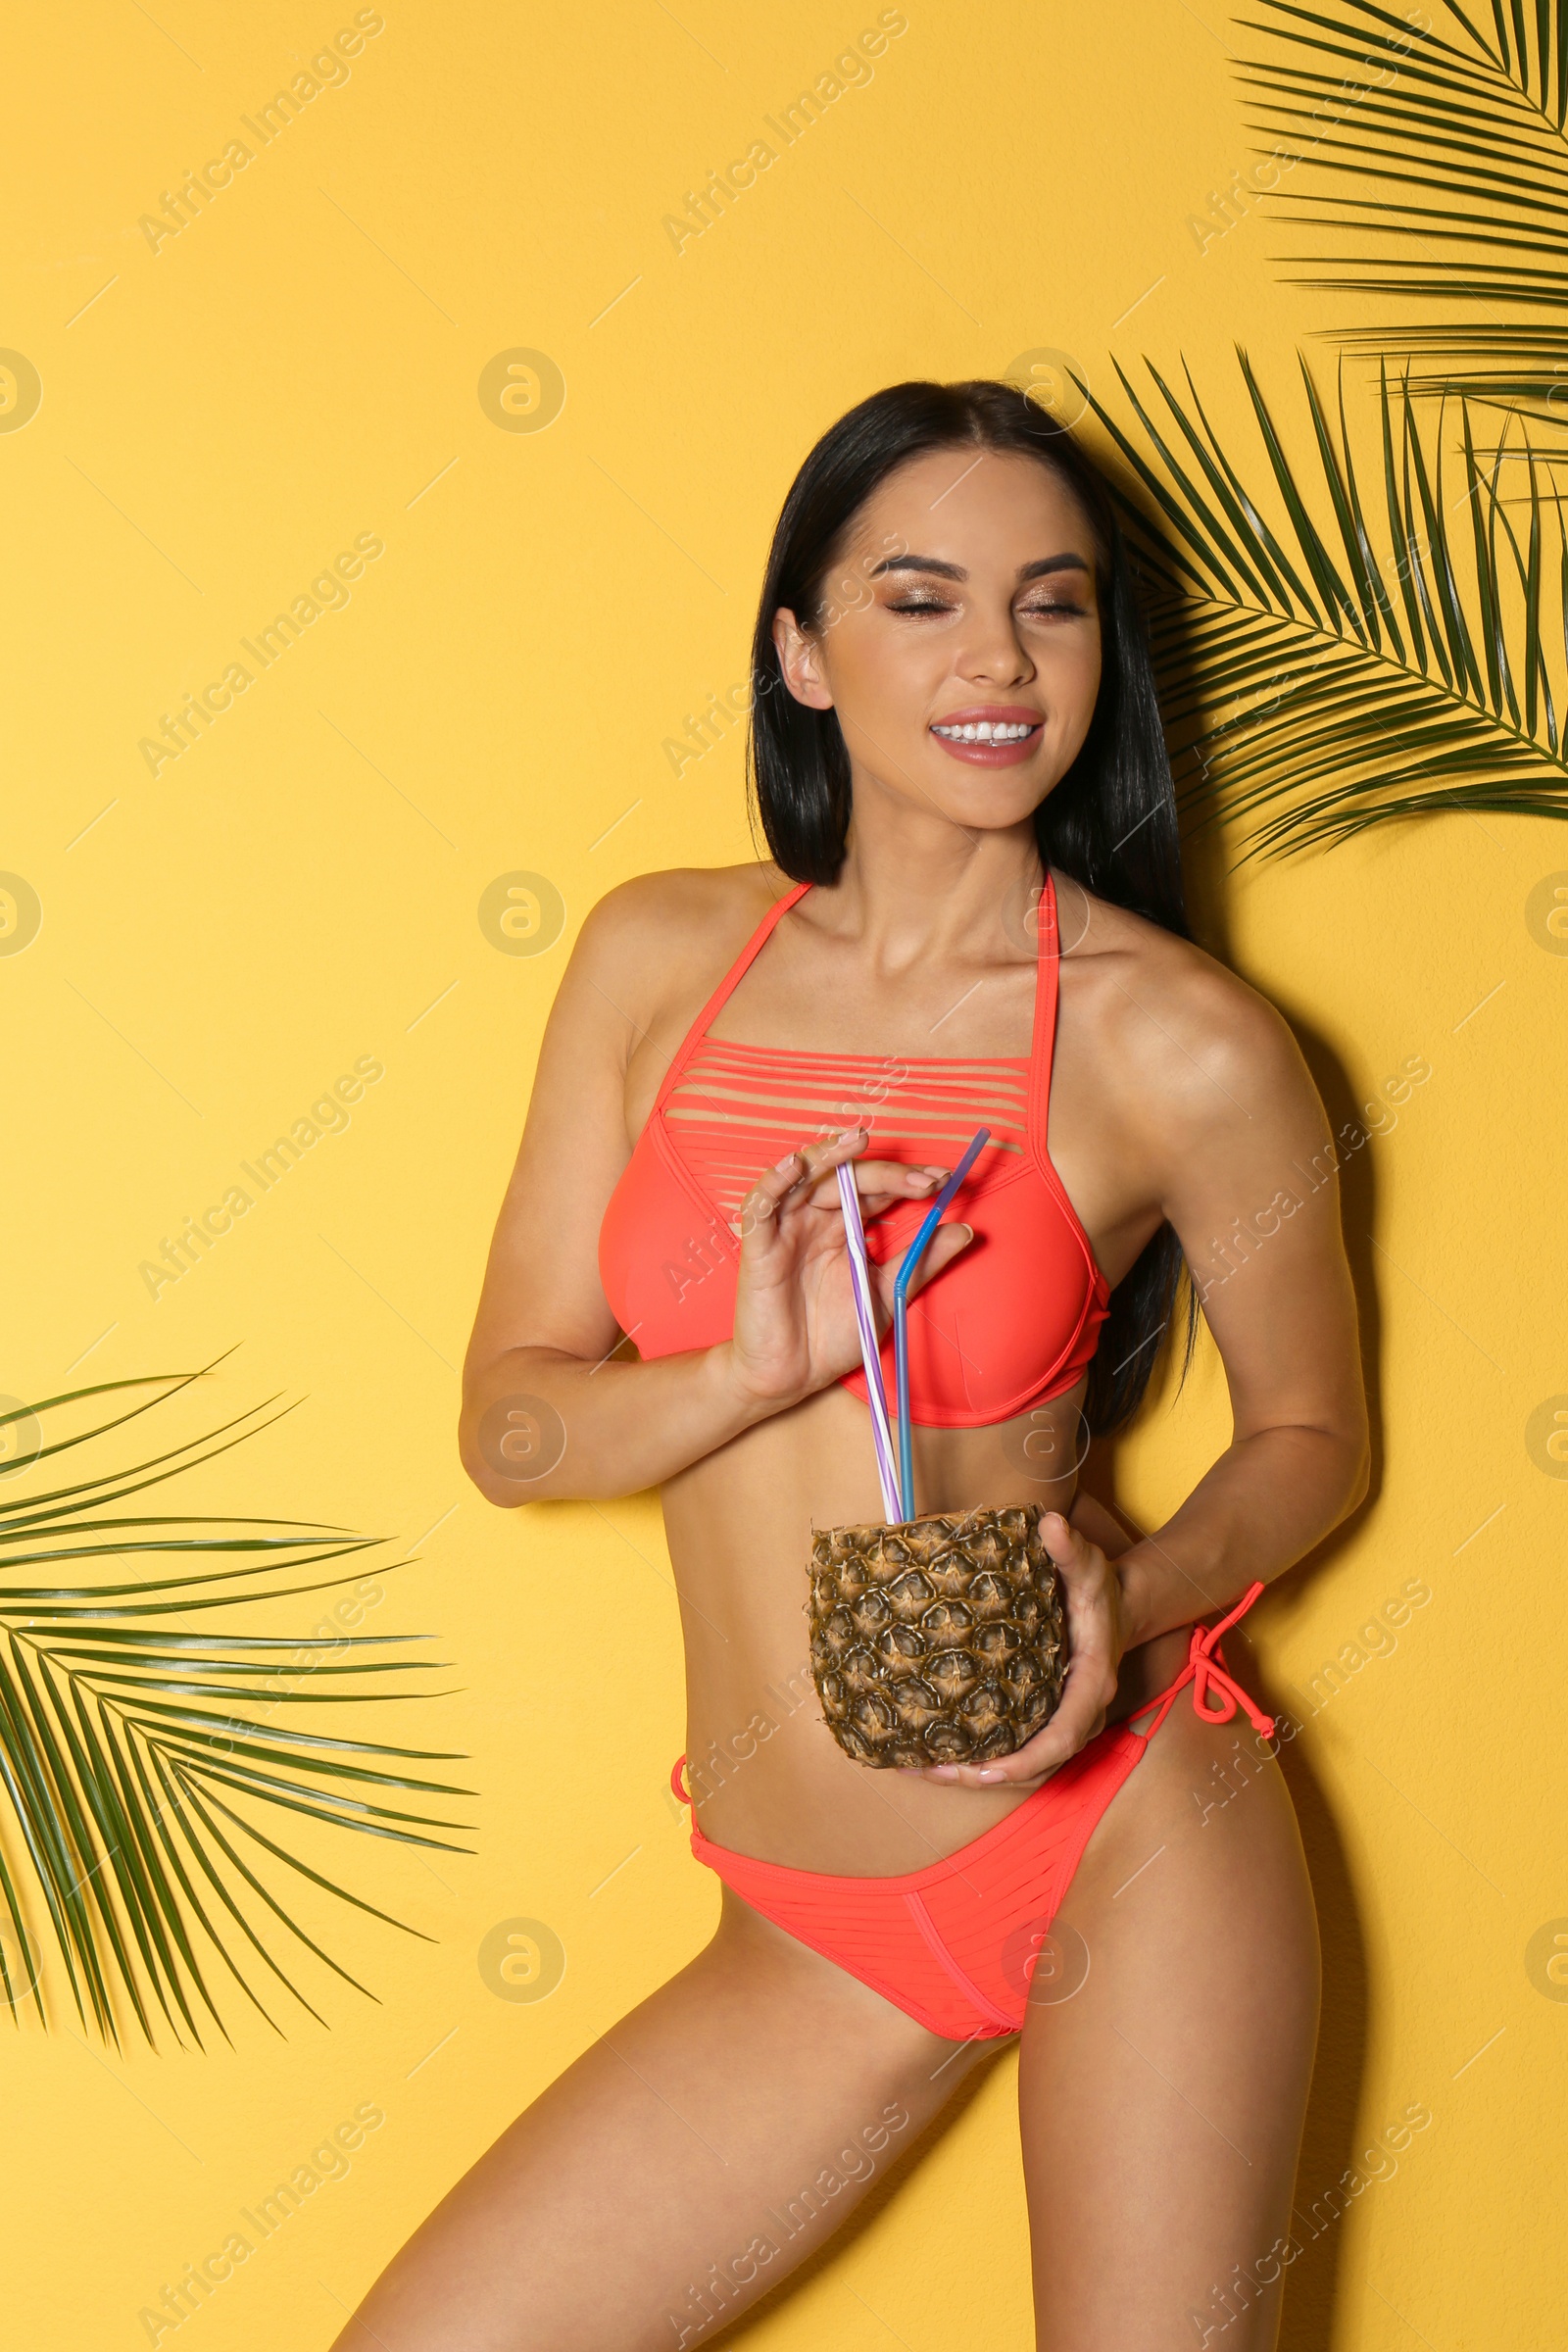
993	653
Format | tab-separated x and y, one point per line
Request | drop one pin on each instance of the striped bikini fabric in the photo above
738	1108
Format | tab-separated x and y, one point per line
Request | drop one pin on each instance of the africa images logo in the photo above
328	70
329	593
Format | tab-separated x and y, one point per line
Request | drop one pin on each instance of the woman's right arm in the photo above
548	1413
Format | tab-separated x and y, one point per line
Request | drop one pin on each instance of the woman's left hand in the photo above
1095	1646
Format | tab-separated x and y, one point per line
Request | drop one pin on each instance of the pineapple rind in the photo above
940	1642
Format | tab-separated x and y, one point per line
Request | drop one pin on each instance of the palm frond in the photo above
136	1753
1320	678
1450	144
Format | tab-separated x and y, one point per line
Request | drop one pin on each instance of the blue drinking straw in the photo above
900	1314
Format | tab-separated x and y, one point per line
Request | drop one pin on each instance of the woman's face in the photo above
964	599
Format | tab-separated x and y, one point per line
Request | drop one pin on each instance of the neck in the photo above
933	891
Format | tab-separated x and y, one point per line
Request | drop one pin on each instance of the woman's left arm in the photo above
1218	1108
1253	1192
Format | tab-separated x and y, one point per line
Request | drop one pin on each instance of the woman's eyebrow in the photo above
1065	562
956	571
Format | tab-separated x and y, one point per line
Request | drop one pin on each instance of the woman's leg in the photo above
679	2168
1162	2102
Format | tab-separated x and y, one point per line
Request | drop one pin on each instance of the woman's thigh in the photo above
681	2166
1162	2101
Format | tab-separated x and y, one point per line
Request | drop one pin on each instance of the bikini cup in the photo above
1011	1323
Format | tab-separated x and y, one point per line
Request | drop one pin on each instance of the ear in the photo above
800	657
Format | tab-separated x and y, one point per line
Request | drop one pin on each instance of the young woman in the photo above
971	915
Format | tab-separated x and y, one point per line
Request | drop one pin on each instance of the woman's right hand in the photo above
795	1329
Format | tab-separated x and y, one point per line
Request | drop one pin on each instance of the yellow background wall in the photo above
301	365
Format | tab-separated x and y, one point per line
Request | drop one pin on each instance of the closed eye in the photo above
934	604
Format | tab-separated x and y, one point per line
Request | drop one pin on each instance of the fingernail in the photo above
942	1772
992	1776
788	1161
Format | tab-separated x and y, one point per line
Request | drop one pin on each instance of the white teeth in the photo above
984	730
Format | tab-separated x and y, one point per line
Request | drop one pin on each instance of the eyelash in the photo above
935	605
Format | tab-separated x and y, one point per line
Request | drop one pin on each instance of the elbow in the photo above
1335	1467
521	1447
505	1494
512	1454
486	1465
1355	1448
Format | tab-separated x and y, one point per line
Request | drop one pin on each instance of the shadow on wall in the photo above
1329	2142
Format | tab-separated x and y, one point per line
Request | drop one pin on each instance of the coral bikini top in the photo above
1010	1323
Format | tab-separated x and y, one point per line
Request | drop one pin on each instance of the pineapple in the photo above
942	1641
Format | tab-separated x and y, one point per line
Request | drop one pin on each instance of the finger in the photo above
1088	1583
1079	1717
798	1169
945	1244
894	1176
1089	1589
1091	1683
876	1181
1008	1773
1071	1552
823	1154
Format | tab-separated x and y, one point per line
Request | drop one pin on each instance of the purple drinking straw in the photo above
871	1353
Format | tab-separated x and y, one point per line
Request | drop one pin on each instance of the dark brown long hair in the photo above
1110	822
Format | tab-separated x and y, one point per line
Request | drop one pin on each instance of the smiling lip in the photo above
978	754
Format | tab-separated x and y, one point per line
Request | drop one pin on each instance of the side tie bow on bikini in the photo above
1206	1671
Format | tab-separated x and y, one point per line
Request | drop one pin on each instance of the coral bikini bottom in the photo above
956	1945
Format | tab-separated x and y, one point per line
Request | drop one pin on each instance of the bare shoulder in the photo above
651	939
1180	1038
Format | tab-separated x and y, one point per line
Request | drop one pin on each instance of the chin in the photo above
992	802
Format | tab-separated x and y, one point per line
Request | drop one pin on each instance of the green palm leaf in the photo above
136	1753
1450	146
1320	680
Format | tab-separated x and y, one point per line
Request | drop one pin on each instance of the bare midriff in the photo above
766	1774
